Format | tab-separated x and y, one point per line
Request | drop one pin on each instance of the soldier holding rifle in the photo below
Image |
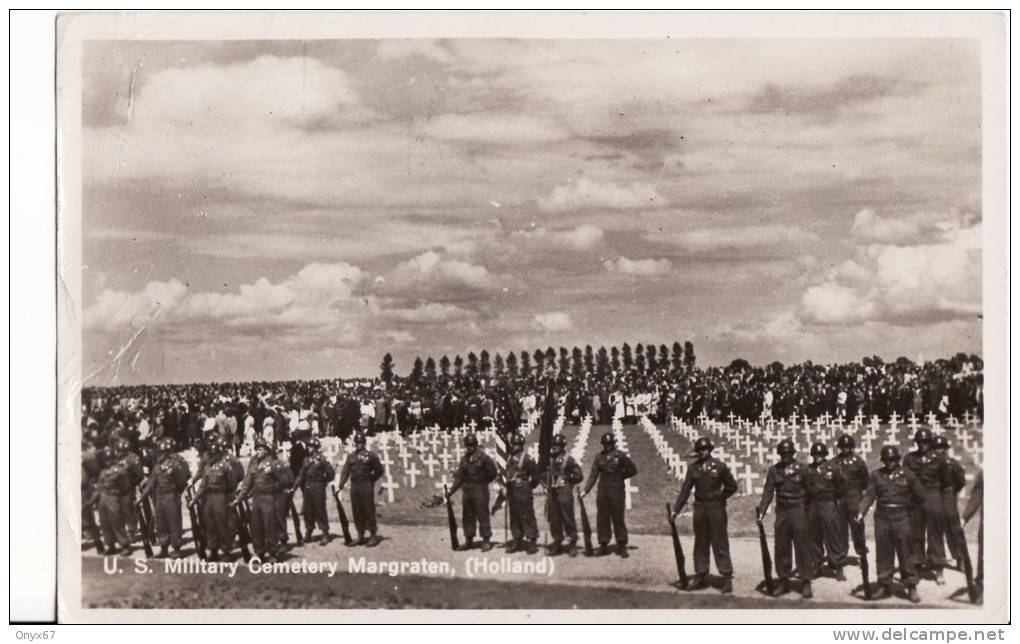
315	473
563	474
474	474
363	468
266	477
165	484
789	482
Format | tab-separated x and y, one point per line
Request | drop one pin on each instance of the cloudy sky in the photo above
263	210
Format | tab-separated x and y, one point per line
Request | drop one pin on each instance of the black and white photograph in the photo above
675	317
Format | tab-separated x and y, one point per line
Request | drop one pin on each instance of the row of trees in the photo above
643	358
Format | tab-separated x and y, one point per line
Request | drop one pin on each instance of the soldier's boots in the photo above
486	545
697	583
727	585
468	544
532	547
839	574
164	551
603	550
780	589
555	548
214	555
805	590
913	596
308	536
177	554
513	546
621	549
99	547
361	540
939	578
883	592
373	540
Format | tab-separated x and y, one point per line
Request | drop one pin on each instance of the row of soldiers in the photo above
116	487
818	504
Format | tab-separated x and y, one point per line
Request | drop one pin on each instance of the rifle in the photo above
857	532
345	527
296	520
197	533
766	558
451	519
243	533
500	499
678	550
144	524
589	550
968	569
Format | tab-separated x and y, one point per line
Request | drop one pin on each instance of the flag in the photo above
546	433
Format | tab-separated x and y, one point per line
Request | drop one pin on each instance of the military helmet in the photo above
260	443
314	444
941	442
608	439
890	453
922	436
845	442
107	454
819	449
559	440
703	443
359	439
165	444
785	447
470	440
516	439
122	444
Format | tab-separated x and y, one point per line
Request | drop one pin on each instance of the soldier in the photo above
316	472
521	474
167	481
956	480
789	481
266	477
91	467
234	463
976	507
561	477
364	469
855	476
133	465
610	469
895	489
712	483
474	473
113	485
828	492
927	518
219	480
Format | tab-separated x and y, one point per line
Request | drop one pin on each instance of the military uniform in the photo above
91	467
264	482
790	484
168	480
474	474
219	481
113	486
521	471
855	478
564	473
828	490
952	486
136	472
712	484
895	491
928	517
364	469
316	472
610	470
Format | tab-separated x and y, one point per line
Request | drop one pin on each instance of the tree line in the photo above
577	363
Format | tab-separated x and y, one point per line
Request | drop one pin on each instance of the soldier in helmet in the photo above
522	478
789	481
893	489
712	483
855	476
113	485
474	473
136	472
828	491
166	483
952	486
266	477
561	477
91	467
363	468
219	481
610	469
315	473
927	518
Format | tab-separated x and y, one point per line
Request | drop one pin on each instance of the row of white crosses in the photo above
629	490
675	462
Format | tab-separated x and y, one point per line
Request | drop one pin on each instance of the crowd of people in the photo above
240	412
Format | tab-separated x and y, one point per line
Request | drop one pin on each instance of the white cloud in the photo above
913	228
585	193
499	128
903	284
553	321
644	267
429	313
583	237
393	48
737	238
432	269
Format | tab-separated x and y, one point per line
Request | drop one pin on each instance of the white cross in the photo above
442	482
761	451
413	472
389	486
629	489
430	463
445	458
748	476
404	456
